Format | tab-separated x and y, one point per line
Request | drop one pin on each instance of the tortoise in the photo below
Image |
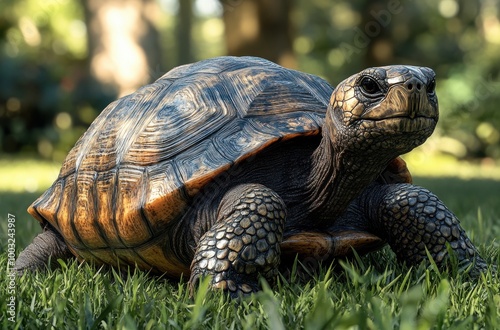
227	166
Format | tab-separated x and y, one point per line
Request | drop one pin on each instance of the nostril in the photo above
414	85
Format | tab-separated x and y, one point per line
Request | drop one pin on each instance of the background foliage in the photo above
46	100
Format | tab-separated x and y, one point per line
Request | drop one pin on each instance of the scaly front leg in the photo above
412	219
244	242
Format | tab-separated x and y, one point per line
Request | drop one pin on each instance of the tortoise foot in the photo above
415	221
244	242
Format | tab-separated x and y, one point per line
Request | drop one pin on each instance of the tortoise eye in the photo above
431	86
370	86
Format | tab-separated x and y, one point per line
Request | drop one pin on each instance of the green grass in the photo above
371	292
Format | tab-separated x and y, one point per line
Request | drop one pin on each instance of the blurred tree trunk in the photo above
123	44
260	28
184	32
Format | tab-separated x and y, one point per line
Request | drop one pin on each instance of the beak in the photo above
402	101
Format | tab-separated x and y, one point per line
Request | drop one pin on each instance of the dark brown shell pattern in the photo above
147	154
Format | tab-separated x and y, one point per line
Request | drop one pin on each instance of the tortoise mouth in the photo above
401	123
402	116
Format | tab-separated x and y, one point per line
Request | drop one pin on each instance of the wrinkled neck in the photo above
337	177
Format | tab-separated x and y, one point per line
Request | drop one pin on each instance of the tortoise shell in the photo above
131	176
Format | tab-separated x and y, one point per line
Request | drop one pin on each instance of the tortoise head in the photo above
387	110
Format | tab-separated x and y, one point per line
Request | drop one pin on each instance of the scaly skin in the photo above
46	246
244	242
412	219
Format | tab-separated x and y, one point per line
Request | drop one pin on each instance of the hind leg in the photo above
43	252
244	242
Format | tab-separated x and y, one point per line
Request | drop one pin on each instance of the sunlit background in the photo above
63	61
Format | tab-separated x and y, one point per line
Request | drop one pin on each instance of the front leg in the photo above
412	219
244	242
